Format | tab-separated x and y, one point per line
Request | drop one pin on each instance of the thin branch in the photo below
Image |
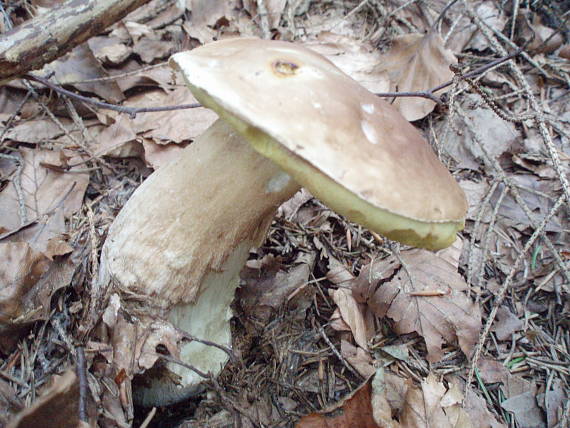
83	386
429	94
131	111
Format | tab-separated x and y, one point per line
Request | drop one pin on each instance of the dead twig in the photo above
83	386
131	111
429	94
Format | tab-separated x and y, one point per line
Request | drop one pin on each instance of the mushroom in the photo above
288	117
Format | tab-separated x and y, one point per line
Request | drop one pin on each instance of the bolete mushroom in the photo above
288	117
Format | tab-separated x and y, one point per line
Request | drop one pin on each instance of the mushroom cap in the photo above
350	148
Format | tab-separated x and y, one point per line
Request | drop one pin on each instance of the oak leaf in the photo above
426	295
417	62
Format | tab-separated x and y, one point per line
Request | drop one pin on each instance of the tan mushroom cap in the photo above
350	148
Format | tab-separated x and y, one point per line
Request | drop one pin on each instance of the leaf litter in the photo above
329	317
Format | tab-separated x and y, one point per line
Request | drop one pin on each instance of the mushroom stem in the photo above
182	239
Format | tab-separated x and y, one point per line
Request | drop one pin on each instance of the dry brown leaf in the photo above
552	403
357	59
533	190
494	134
113	140
433	303
22	268
288	210
150	49
36	131
205	15
476	408
353	314
338	274
475	191
44	189
157	155
382	408
506	324
162	77
29	279
431	405
492	371
490	14
10	403
170	126
265	290
355	411
357	358
525	410
57	407
417	62
80	64
109	50
537	37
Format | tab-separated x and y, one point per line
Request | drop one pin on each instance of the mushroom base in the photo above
208	318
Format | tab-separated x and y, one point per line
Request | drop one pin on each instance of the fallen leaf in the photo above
109	50
533	190
391	388
44	190
476	408
354	411
537	37
116	140
525	410
381	408
10	403
438	319
352	314
36	131
288	210
150	49
57	406
170	126
506	324
205	15
357	59
28	281
492	371
431	405
22	268
158	155
491	16
417	62
424	408
517	385
494	134
80	64
475	191
552	403
357	358
265	290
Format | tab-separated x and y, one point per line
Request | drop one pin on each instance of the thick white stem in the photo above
183	237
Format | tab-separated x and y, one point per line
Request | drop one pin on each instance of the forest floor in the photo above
333	325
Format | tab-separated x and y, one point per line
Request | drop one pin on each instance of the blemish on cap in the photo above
368	108
284	68
278	183
369	132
